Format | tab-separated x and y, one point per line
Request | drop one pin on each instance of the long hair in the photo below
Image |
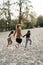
18	26
10	33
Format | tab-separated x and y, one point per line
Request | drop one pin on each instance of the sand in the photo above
32	55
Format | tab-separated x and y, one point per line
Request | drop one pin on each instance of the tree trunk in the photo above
20	12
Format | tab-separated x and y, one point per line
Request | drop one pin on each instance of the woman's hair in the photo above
18	26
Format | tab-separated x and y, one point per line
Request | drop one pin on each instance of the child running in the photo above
27	38
18	35
9	40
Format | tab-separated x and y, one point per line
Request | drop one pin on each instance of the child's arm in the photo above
24	35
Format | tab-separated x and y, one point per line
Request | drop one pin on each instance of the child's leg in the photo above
26	43
11	41
30	41
7	45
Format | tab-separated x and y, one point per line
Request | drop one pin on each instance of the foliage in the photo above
24	7
39	21
26	25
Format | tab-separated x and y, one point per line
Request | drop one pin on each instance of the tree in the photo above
23	4
6	11
40	21
8	16
33	18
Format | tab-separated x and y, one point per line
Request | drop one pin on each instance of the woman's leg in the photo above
18	45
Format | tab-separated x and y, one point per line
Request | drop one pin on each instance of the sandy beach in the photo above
32	55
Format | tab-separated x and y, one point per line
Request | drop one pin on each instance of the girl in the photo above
27	38
9	40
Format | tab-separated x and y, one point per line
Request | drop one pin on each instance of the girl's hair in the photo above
28	31
11	33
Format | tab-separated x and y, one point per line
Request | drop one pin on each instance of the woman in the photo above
18	35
